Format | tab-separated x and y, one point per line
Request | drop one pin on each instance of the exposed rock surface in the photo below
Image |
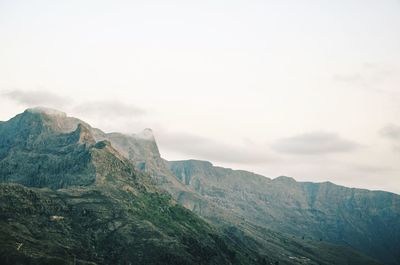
366	220
84	201
35	151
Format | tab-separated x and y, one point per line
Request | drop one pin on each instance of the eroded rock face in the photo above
366	220
34	153
143	151
56	150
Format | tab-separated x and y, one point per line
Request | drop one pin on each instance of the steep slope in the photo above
47	140
106	211
142	150
101	209
366	220
100	226
50	158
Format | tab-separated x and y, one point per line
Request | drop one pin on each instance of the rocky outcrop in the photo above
34	153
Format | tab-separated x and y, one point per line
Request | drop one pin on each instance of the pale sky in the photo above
307	89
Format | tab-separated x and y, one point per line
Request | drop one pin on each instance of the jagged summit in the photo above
51	129
60	121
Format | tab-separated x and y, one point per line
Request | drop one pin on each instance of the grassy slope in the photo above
106	226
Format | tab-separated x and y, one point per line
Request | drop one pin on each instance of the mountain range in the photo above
73	194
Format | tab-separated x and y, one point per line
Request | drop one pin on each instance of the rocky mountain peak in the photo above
52	119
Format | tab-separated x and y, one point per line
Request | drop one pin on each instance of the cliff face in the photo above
365	220
50	143
142	150
35	153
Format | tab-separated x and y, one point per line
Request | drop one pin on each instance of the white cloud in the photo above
33	98
108	109
391	131
195	146
314	143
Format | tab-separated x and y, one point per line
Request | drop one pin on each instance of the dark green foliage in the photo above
107	226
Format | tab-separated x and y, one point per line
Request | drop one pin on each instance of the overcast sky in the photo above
308	89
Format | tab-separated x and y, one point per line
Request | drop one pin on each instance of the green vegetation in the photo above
368	221
71	194
105	227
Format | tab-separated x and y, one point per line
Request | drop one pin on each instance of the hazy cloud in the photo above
369	76
108	109
194	146
391	131
35	98
314	143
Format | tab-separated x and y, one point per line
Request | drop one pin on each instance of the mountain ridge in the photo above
323	211
198	186
56	212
